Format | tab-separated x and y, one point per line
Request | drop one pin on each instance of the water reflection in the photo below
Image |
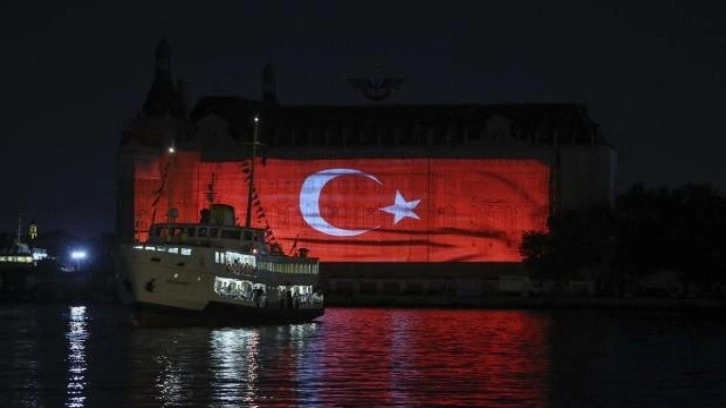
77	336
309	370
234	366
365	357
261	366
425	358
168	367
169	382
362	357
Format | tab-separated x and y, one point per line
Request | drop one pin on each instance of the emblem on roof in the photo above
378	87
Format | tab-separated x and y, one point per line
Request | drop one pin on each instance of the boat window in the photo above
159	231
173	250
213	232
248	235
191	231
186	251
231	234
202	232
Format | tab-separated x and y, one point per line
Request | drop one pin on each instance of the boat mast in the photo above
251	179
169	181
171	166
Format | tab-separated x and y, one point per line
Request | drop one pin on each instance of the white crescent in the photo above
310	201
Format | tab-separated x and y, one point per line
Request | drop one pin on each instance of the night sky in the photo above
73	73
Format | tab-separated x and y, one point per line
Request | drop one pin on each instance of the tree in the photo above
700	226
649	230
574	240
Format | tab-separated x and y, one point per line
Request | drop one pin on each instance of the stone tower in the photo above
161	123
269	93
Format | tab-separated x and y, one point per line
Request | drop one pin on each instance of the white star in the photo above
401	208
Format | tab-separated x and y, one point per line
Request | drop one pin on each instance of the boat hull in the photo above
218	314
164	289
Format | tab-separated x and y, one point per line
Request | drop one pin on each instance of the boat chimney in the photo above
222	214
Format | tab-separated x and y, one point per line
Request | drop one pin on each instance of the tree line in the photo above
648	230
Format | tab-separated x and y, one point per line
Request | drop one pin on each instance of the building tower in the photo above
163	98
161	122
269	93
33	230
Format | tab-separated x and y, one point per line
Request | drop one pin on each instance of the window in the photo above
231	234
248	235
202	232
213	232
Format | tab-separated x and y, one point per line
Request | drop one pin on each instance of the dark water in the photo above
86	356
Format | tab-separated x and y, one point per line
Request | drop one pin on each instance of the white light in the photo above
171	149
257	119
77	311
78	254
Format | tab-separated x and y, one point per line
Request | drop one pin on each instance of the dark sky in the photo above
73	73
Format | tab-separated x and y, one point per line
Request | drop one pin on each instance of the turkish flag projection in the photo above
363	210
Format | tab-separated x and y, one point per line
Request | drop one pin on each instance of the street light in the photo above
78	256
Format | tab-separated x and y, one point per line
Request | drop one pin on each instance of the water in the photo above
87	356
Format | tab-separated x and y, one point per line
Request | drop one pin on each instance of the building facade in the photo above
391	198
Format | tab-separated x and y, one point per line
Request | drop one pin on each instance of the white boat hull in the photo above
162	288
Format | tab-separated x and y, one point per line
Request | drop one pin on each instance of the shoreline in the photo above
533	303
440	302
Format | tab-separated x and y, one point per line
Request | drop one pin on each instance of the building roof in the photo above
313	125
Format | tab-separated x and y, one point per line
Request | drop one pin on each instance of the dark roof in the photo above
569	123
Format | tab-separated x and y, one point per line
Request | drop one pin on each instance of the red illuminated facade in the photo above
408	186
362	210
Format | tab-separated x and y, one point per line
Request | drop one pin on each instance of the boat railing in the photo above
261	299
249	239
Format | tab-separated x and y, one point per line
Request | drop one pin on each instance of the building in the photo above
392	198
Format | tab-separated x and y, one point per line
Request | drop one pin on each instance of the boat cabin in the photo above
210	235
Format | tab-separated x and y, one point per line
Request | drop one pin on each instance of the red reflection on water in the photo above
281	383
416	358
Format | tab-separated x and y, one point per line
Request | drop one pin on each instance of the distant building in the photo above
420	193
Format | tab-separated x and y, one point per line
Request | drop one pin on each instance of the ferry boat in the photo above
21	275
216	273
16	267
